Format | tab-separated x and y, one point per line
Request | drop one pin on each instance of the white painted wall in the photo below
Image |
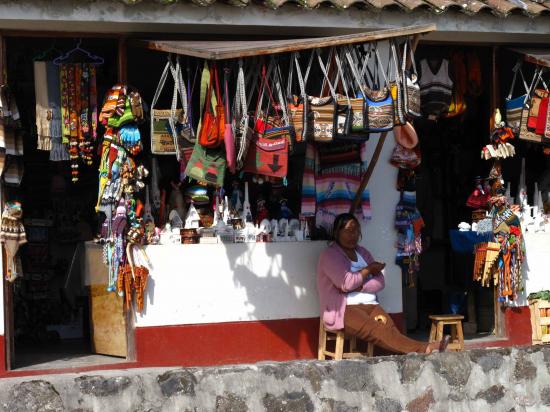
536	269
379	234
231	282
194	284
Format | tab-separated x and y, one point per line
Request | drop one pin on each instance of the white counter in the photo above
211	283
536	269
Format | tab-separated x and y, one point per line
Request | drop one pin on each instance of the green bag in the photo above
207	166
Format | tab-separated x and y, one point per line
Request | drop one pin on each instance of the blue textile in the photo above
464	241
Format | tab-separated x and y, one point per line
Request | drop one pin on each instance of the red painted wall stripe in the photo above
248	342
231	342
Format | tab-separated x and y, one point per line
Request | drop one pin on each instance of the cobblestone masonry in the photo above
485	380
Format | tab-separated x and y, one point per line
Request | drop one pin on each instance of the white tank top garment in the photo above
436	89
356	298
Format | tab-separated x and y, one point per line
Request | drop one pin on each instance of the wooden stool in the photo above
457	337
339	338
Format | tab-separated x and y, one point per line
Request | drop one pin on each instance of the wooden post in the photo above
366	177
122	60
3	66
9	349
380	144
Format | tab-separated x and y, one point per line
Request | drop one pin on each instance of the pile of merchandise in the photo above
120	180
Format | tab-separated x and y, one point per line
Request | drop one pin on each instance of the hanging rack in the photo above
94	59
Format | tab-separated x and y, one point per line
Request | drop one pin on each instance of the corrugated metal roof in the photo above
500	8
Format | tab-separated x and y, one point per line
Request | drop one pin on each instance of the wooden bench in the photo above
339	338
455	322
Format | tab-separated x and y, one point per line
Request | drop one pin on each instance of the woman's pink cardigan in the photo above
334	281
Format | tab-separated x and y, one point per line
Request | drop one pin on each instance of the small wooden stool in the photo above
339	338
457	337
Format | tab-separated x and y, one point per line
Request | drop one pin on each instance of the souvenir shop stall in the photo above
214	225
487	198
186	206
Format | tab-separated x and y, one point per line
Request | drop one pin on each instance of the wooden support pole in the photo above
379	145
122	60
366	177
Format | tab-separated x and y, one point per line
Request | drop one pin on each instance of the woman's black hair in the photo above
340	222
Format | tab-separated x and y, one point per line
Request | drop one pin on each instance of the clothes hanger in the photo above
42	55
94	59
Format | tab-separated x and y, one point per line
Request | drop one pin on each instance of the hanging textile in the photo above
11	139
43	113
409	224
79	112
58	151
120	179
331	180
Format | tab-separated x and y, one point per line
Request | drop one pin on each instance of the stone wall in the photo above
511	379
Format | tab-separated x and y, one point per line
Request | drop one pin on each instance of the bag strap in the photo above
282	101
380	65
226	73
266	74
181	89
516	69
325	73
395	60
536	76
342	77
294	62
218	92
268	87
205	87
240	108
408	46
353	64
252	79
161	83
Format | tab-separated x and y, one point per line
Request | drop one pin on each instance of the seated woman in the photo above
348	279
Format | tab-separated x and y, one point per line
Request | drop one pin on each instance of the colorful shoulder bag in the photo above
206	165
163	120
184	137
268	153
524	132
358	102
213	122
410	86
514	105
396	87
378	101
323	108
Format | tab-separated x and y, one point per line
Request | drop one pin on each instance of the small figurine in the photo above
285	213
261	210
246	215
236	197
192	221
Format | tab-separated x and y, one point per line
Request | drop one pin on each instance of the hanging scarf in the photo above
43	112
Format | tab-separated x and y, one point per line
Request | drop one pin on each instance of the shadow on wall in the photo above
279	280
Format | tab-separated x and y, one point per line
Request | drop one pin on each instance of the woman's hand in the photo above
373	269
